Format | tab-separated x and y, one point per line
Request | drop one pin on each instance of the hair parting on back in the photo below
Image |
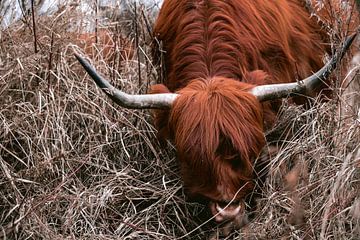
223	38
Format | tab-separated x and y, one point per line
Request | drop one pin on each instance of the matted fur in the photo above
212	134
215	52
210	38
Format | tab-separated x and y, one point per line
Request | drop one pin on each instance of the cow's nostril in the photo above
219	208
222	204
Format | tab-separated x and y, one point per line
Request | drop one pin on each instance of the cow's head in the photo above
217	127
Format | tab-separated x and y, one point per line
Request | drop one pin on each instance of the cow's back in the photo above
203	39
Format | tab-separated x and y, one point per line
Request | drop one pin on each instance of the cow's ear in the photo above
161	116
257	77
158	88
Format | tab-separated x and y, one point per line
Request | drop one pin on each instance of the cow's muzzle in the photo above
227	211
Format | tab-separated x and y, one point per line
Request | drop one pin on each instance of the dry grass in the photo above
76	166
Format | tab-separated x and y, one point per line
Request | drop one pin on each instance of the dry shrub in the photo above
76	166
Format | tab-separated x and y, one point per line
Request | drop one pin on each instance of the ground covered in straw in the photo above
76	166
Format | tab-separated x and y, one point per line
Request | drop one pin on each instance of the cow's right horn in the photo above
162	100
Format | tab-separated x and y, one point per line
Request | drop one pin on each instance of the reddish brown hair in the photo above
230	38
210	122
215	51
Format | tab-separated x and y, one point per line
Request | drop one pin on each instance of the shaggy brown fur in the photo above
215	52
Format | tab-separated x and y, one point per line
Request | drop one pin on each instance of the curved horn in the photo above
275	91
162	100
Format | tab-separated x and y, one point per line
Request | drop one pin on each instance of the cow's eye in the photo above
237	164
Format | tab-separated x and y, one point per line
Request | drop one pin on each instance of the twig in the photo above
50	59
34	25
137	44
96	22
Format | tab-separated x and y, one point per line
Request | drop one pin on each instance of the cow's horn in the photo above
275	91
162	100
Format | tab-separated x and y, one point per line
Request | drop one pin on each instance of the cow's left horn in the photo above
162	100
275	91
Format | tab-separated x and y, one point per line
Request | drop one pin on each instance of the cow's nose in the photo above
226	211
